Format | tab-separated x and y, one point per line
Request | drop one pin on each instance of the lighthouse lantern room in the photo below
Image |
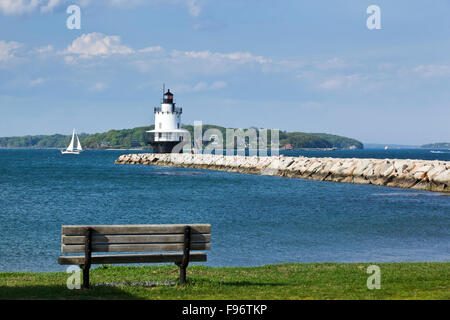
167	133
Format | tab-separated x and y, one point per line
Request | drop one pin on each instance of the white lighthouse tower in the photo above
167	133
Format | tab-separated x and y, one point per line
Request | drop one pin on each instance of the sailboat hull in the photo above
69	152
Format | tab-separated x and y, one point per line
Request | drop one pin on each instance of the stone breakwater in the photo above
399	173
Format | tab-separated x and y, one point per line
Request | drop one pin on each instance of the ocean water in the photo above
255	219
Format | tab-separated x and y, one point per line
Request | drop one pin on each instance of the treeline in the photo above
318	140
137	137
439	145
117	139
40	141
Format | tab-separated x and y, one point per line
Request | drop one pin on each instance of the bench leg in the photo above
85	276
87	257
182	274
186	251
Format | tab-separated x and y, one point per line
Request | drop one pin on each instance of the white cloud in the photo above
150	49
95	50
8	50
128	3
13	54
69	59
200	86
37	82
341	82
43	51
96	45
432	71
98	86
334	63
19	7
199	62
218	85
194	7
331	84
238	57
50	6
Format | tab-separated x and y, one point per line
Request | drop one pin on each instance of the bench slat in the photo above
134	239
135	258
136	229
135	247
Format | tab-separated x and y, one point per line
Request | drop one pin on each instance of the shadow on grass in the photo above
61	292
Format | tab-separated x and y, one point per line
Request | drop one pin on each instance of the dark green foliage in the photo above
41	141
125	138
304	140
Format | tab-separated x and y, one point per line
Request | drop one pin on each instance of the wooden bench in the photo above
135	238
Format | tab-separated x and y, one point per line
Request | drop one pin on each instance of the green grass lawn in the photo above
285	281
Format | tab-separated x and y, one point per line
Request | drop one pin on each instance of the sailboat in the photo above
70	149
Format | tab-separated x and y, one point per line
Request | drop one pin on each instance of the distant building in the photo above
104	145
288	146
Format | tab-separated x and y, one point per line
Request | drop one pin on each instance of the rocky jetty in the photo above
399	173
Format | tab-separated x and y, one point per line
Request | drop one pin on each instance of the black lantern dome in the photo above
168	97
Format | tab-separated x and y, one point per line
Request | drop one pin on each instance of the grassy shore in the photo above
285	281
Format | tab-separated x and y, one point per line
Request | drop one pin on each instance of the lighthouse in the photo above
167	133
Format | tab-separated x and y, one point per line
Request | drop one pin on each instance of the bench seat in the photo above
133	258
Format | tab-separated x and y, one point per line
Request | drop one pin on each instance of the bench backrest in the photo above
132	238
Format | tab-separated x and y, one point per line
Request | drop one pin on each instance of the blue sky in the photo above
309	66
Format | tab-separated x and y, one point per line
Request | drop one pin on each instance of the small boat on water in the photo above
71	148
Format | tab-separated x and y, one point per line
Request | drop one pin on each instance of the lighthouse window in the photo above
160	125
178	125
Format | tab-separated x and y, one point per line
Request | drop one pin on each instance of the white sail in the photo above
79	148
70	147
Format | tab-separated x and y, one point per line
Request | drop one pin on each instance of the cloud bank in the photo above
21	7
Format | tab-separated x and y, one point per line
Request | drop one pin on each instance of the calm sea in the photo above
255	219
